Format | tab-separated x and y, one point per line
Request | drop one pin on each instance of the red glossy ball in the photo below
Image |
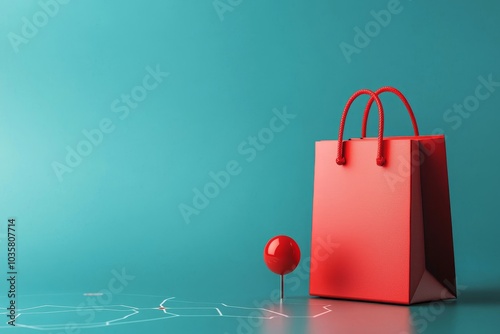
282	255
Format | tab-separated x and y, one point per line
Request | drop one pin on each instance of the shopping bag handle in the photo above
373	96
401	96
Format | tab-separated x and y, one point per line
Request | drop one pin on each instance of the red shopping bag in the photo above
384	204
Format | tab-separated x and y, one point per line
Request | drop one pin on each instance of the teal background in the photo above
120	207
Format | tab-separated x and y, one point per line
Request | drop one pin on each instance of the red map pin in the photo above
282	255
